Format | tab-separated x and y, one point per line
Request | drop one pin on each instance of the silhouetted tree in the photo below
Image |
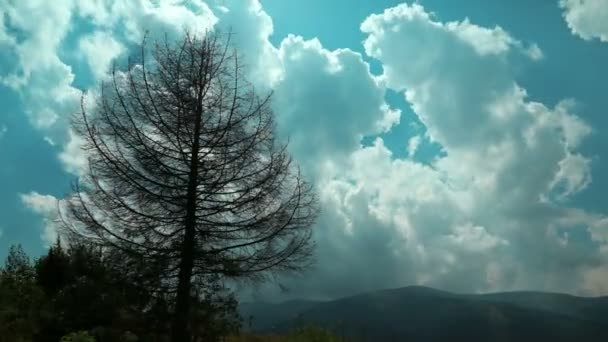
185	178
76	290
21	301
52	270
81	291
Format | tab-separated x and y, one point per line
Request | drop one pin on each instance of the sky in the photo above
453	144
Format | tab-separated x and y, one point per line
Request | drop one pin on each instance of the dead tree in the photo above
185	178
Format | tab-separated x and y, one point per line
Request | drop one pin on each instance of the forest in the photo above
76	294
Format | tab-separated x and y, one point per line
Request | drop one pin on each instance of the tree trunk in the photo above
181	330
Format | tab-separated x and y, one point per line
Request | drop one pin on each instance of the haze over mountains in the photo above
425	314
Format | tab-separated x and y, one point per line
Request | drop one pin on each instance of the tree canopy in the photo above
187	184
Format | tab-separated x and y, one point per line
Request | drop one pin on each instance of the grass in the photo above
309	334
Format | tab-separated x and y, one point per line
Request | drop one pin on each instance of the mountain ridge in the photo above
415	312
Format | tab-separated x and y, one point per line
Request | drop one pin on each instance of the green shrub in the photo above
80	336
312	334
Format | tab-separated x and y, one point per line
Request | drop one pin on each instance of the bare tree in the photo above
185	176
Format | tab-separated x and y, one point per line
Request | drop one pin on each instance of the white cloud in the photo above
486	216
3	130
474	238
534	52
40	77
412	145
251	29
46	82
170	17
47	207
595	280
573	176
587	18
327	101
485	41
73	157
492	193
158	18
44	25
99	50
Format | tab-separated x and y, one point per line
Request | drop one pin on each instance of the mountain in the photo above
425	314
265	316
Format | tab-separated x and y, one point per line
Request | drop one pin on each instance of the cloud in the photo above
485	215
36	31
487	41
587	19
33	32
594	280
326	101
412	145
3	130
99	50
73	157
158	18
47	207
474	238
489	213
251	29
40	27
475	213
312	86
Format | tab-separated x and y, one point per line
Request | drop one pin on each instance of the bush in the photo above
81	336
308	334
312	334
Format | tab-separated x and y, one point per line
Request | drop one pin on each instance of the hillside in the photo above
424	314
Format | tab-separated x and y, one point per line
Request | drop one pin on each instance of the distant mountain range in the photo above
425	314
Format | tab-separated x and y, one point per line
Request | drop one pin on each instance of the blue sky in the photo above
459	145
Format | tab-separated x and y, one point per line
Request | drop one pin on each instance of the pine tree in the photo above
186	180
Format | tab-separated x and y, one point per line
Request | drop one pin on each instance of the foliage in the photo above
312	334
21	301
81	336
75	294
307	334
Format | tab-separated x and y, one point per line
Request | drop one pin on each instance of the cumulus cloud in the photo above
47	207
412	145
99	50
326	101
32	33
73	157
157	18
42	27
472	216
587	19
486	214
250	29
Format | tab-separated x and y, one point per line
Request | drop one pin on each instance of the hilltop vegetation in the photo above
74	294
77	293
